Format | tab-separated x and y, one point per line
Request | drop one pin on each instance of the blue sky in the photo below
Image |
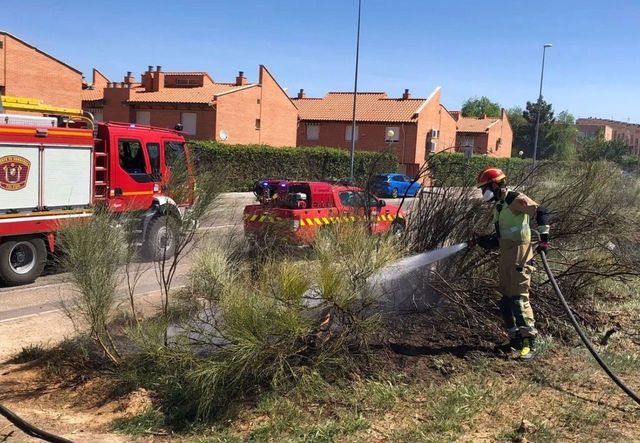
470	48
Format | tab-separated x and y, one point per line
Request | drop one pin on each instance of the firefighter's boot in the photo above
528	350
514	344
515	339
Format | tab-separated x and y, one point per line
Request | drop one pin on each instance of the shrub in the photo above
240	166
92	252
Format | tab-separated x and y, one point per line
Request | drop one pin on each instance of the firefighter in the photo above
511	216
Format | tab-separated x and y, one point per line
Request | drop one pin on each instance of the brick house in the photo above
26	71
628	133
238	112
409	127
490	136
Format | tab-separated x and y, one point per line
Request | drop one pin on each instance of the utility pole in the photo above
535	142
355	98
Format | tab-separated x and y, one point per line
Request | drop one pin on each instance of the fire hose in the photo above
29	429
583	336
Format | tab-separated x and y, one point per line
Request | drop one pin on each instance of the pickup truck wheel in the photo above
398	227
160	241
22	260
394	193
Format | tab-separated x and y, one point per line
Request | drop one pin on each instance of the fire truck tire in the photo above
22	260
161	234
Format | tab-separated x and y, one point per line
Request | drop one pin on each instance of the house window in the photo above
143	118
347	133
313	131
97	116
187	82
392	134
257	123
189	123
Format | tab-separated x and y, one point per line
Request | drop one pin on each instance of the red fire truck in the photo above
298	210
51	174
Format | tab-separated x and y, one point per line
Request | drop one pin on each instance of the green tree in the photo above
560	139
477	107
524	137
594	149
520	127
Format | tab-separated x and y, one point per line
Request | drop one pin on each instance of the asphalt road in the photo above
33	314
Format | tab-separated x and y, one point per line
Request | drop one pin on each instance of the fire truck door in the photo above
132	183
357	208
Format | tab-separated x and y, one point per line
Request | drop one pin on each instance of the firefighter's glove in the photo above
543	244
488	242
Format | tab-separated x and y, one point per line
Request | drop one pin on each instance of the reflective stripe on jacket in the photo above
513	226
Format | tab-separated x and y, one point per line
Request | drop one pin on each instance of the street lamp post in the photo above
355	97
535	141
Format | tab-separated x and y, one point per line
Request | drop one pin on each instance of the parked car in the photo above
394	185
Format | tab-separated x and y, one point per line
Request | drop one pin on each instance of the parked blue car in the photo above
394	185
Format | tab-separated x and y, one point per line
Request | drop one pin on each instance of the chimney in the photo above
241	79
406	95
150	68
301	94
158	79
483	116
129	78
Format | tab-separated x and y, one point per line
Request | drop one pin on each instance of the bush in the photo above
240	166
592	206
267	330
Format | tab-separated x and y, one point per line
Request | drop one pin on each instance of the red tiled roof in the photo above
92	95
470	124
199	95
370	107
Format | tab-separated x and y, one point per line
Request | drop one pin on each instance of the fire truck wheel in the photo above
22	260
161	239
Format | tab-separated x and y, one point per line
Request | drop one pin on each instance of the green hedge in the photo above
449	169
240	166
452	169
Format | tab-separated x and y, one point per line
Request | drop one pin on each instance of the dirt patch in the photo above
81	408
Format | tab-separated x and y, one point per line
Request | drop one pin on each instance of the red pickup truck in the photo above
300	209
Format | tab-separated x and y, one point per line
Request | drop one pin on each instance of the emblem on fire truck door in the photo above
14	172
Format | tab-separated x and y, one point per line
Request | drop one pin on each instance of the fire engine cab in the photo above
298	210
54	169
